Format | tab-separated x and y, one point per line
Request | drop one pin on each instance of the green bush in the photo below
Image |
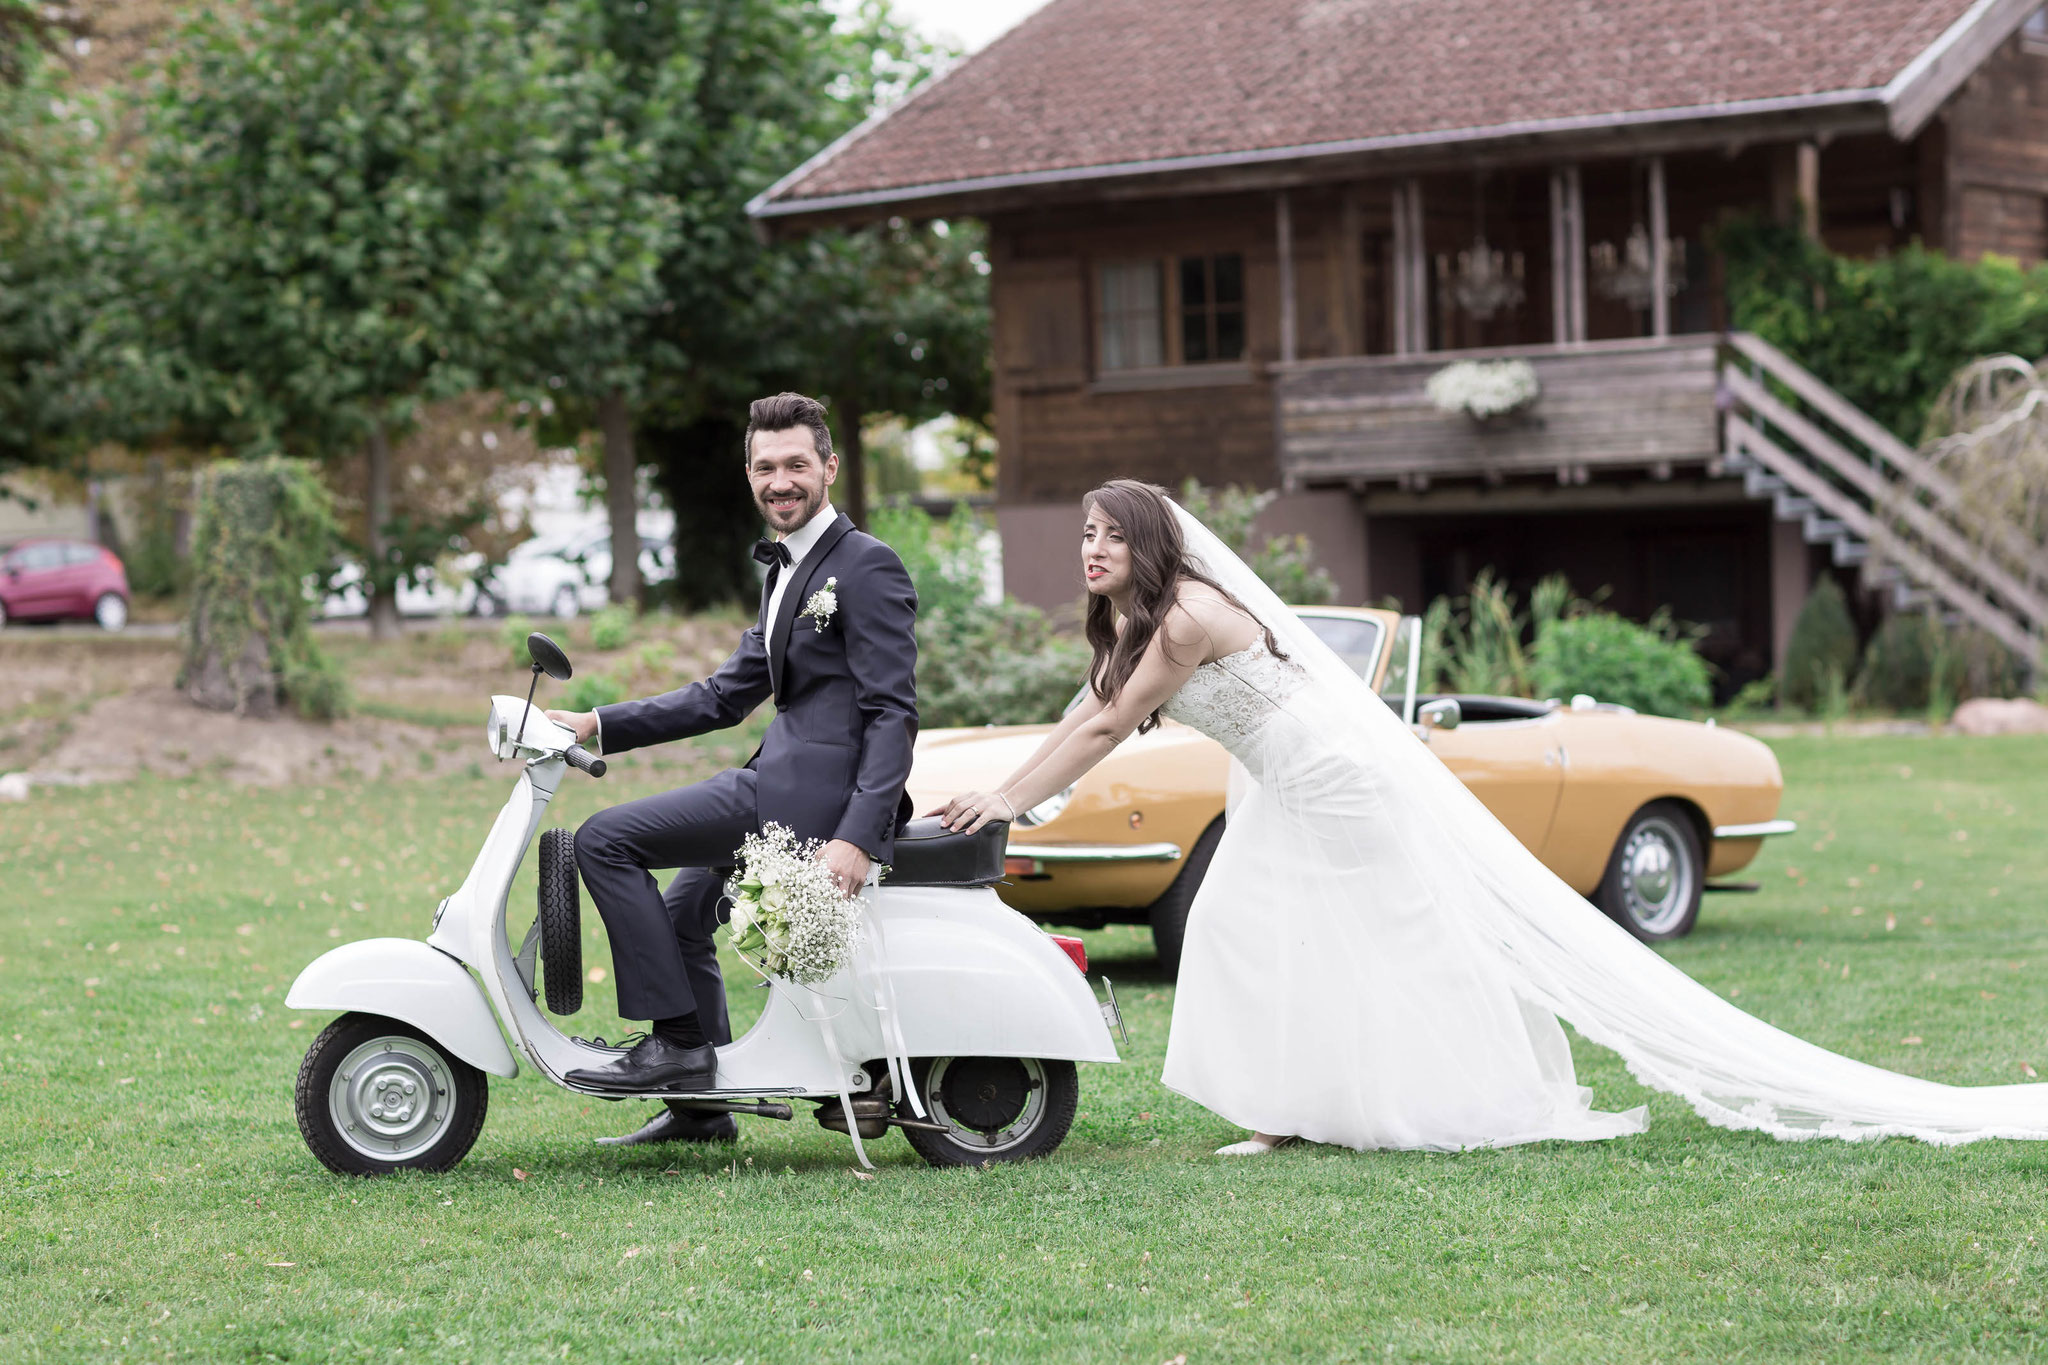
1906	664
978	662
1888	332
588	691
263	530
1287	564
1823	647
1649	667
514	633
155	568
611	629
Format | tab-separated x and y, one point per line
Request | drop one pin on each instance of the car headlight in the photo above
1046	811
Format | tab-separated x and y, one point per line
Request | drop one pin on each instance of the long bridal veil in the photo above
1563	957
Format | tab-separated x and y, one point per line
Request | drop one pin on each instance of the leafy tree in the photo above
65	245
711	94
893	319
724	97
357	207
1887	333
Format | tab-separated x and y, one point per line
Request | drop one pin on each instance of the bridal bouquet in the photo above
787	915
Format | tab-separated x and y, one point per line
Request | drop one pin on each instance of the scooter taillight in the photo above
1073	948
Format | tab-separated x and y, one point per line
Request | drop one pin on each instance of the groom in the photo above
834	646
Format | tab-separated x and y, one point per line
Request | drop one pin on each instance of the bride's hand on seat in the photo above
969	811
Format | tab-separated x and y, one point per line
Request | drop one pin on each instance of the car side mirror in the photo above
548	657
1442	714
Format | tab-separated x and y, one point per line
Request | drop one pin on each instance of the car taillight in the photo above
1020	867
1073	948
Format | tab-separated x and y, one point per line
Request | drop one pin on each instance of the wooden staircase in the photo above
1849	484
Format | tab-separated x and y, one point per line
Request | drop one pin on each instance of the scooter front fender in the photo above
404	979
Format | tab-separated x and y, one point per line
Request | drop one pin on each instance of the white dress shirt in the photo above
801	542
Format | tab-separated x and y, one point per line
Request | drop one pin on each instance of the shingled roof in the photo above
1117	87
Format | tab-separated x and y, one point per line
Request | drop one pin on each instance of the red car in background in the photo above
58	580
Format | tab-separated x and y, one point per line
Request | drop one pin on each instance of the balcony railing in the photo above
1365	420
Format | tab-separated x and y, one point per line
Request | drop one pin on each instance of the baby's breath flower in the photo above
788	915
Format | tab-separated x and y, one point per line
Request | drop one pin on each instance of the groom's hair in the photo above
786	412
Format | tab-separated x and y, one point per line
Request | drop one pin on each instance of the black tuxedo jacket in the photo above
837	753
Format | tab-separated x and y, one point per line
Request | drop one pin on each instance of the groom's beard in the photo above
807	509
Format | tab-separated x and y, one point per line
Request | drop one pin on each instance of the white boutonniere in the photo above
821	605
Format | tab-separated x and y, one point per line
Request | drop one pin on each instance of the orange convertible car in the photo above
1639	813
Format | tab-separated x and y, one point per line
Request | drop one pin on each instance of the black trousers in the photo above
662	945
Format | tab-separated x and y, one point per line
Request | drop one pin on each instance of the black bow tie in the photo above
771	552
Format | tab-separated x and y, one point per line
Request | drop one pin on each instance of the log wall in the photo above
1995	196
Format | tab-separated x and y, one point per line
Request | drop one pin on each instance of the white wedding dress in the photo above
1374	961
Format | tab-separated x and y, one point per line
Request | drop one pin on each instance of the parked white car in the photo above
567	575
448	591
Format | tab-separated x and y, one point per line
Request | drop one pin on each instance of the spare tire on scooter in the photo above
561	924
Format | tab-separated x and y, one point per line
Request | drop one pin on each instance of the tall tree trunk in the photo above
852	487
621	503
702	467
384	622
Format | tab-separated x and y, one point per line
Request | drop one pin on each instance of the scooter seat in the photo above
929	854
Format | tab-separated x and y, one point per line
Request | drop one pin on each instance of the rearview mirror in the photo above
1442	714
548	657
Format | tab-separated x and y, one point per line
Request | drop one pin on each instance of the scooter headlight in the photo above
1046	811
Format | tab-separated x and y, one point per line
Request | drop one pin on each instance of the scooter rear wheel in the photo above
376	1095
994	1108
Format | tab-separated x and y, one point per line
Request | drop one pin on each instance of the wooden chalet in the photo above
1234	239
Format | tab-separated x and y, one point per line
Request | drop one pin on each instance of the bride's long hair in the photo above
1160	563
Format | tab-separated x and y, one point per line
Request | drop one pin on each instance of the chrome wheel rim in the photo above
959	1091
1657	875
111	612
392	1098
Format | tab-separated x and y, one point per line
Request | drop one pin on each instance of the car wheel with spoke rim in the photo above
376	1095
1655	875
110	611
993	1108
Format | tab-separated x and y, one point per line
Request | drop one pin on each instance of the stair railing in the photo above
1990	577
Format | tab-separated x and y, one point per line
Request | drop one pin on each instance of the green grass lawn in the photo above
156	1201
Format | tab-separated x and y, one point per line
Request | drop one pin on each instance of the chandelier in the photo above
1485	281
1629	275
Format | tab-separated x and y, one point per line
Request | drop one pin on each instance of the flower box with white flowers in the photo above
1489	392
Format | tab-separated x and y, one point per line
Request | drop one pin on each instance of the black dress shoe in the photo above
672	1125
652	1065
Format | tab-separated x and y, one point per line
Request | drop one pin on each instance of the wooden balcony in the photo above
1641	404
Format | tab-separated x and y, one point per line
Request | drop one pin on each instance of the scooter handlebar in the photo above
579	757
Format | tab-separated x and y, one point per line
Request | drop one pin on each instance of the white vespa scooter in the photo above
960	1021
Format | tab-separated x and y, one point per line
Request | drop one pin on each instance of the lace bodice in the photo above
1232	698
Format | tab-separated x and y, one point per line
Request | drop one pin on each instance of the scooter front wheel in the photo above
376	1096
992	1108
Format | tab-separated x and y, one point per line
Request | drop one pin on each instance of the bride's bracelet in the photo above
1012	805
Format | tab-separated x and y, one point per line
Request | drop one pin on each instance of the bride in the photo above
1373	960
